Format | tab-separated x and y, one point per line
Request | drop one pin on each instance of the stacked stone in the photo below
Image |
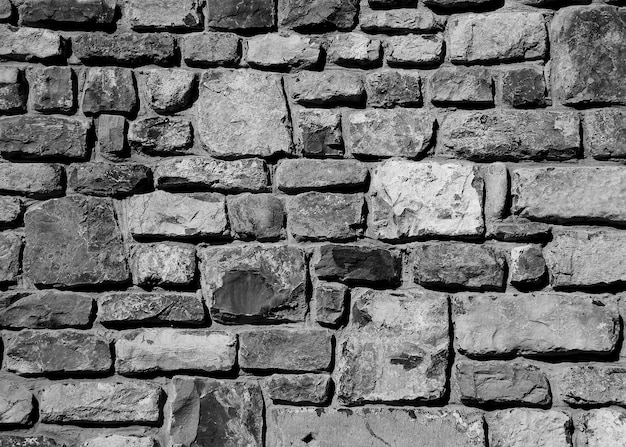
331	223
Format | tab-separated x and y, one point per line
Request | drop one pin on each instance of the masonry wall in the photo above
312	223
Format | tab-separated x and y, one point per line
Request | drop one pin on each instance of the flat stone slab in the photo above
522	427
299	389
83	13
35	180
16	404
600	427
591	385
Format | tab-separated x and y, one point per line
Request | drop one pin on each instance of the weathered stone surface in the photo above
46	309
385	4
16	404
163	264
513	229
278	51
200	172
520	428
452	85
34	180
458	265
105	179
209	412
11	209
458	4
354	50
236	15
331	87
528	268
586	258
375	427
604	134
538	324
13	91
10	250
66	13
296	175
112	143
254	283
501	383
524	87
299	389
285	350
356	264
388	133
210	49
46	137
165	14
158	308
166	350
159	135
594	385
120	441
52	89
415	199
414	50
396	349
325	216
496	177
476	38
509	135
88	225
550	195
256	216
6	10
170	91
29	441
125	48
162	214
587	46
57	352
30	45
243	113
303	15
404	20
100	402
330	302
600	427
109	90
393	88
317	132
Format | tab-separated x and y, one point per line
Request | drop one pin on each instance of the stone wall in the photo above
312	223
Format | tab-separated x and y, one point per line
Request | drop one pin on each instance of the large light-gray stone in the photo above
36	180
29	44
591	385
602	427
163	264
521	428
16	404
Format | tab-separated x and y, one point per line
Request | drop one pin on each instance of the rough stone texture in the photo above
393	88
476	38
317	132
104	179
521	428
509	135
253	283
100	402
528	268
29	441
458	265
46	309
66	13
452	85
330	301
16	404
256	216
57	352
161	136
388	133
604	134
391	3
125	49
170	91
513	229
415	50
162	214
44	137
375	427
236	15
30	45
414	199
13	91
332	87
459	4
11	209
496	177
276	51
10	249
210	49
354	50
208	412
243	113
538	324
299	389
109	90
501	383
34	180
166	350
165	14
120	441
297	175
158	308
6	10
396	349
586	258
403	20
285	350
112	143
594	385
163	264
601	427
52	89
524	87
588	43
89	226
356	264
304	15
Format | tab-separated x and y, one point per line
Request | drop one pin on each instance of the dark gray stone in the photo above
331	87
52	89
528	268
109	90
211	49
104	179
524	87
236	15
35	180
304	15
393	88
453	85
514	229
125	48
161	136
330	302
299	389
10	250
317	132
166	15
112	137
148	309
13	91
66	13
299	174
256	216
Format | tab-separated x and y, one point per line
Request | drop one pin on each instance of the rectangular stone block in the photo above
30	45
66	13
234	15
166	15
415	50
354	50
13	91
52	89
317	132
400	20
256	216
604	134
35	180
591	385
327	88
109	90
299	174
461	86
106	179
164	136
16	404
324	15
163	264
600	427
11	210
211	49
522	427
299	389
125	48
11	245
277	52
391	88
